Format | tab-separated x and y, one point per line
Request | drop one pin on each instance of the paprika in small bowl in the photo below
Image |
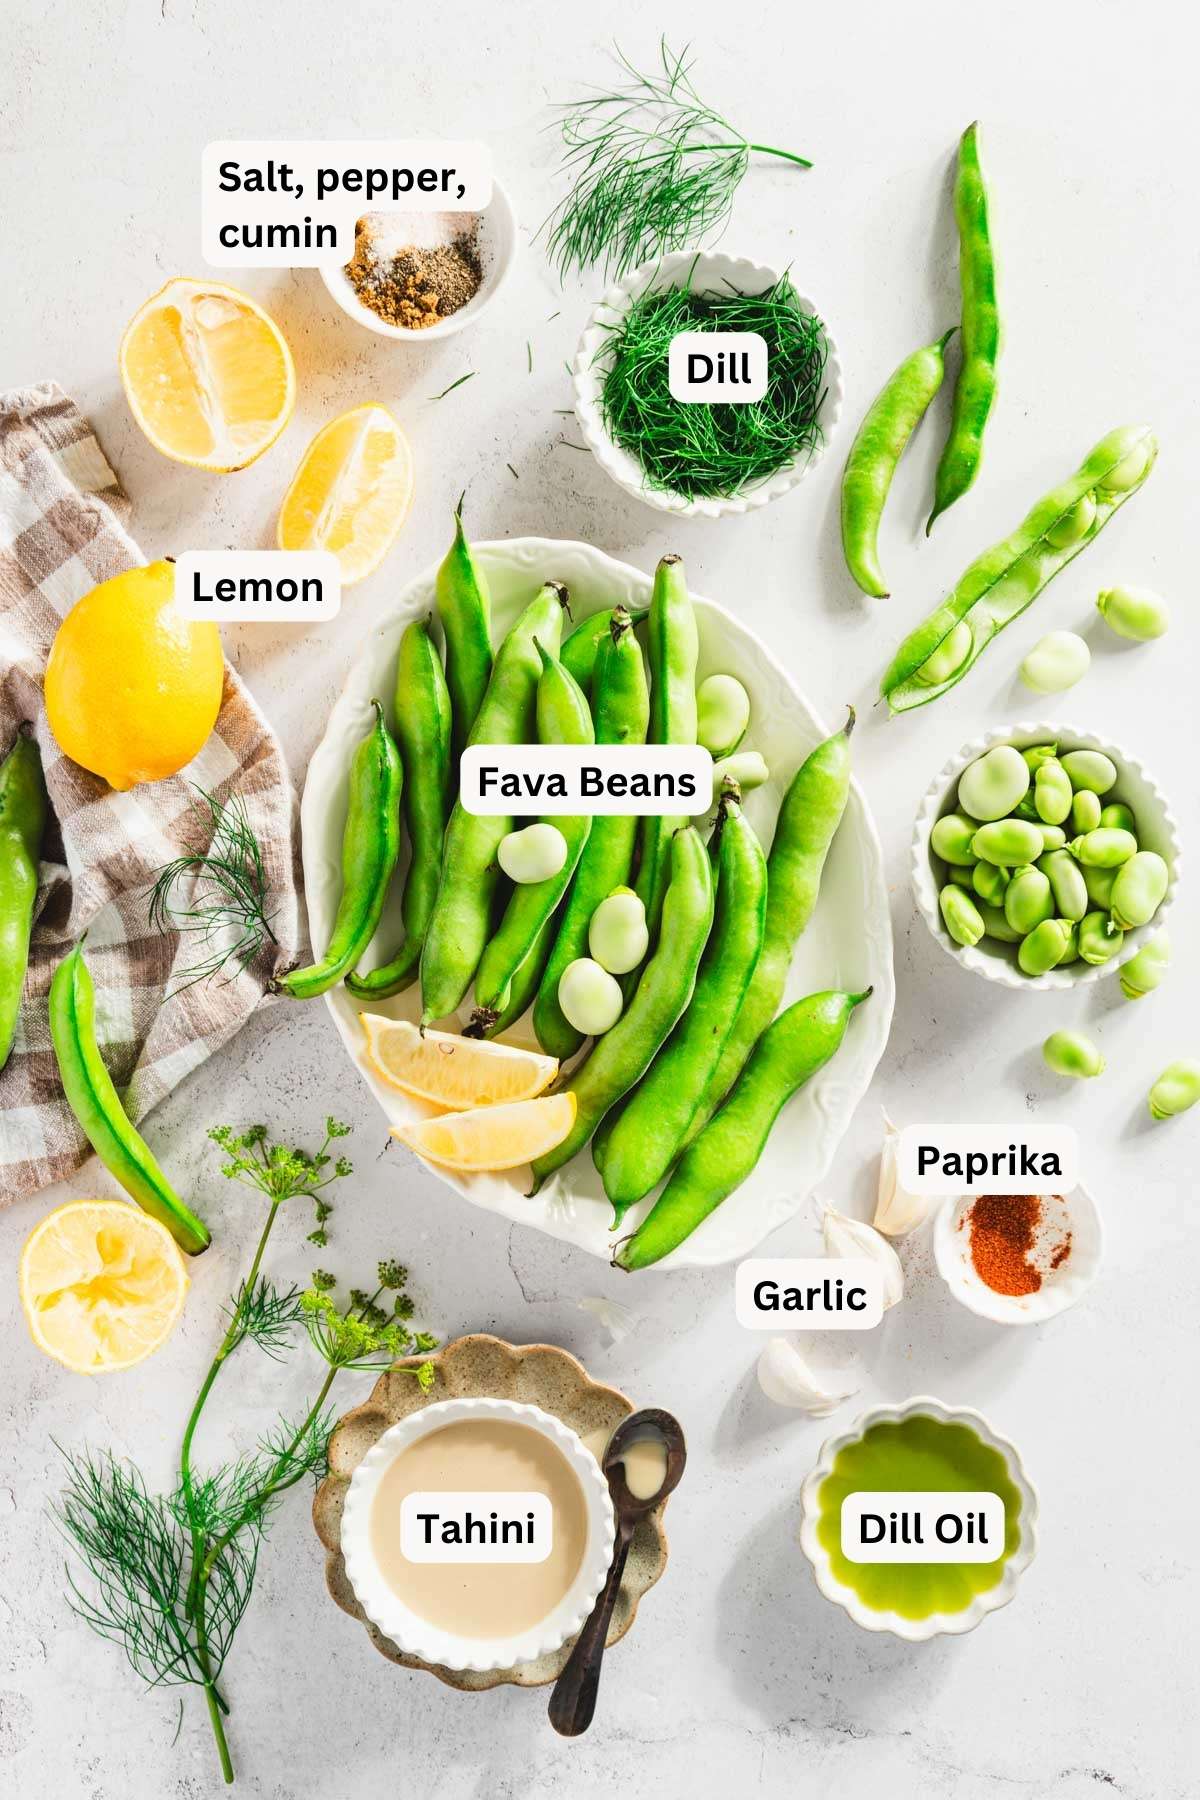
1019	1258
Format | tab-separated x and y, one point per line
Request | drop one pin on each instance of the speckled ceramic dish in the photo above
848	943
473	1367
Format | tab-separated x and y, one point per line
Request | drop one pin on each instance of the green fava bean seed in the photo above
1177	1088
989	882
1066	883
1010	842
961	916
1075	523
1037	754
1102	849
1053	837
1139	889
1090	769
1070	1053
1132	469
995	924
950	653
1133	613
1071	953
961	876
1028	900
993	784
1099	884
1086	811
1056	663
748	768
1052	792
1098	941
1117	818
1143	972
722	714
1044	948
951	839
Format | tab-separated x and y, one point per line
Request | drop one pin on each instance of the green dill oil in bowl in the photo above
921	1449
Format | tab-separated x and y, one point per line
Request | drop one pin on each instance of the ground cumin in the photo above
416	285
1015	1241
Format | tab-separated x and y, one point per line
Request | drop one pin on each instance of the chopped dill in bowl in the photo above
716	451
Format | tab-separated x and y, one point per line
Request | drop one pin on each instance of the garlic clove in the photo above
615	1318
897	1212
854	1237
785	1377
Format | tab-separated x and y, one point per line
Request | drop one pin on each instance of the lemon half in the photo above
102	1285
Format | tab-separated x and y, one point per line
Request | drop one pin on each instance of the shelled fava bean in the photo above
1034	855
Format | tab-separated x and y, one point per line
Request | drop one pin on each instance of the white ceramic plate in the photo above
848	943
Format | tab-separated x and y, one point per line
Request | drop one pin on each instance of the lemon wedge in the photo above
351	493
102	1285
455	1072
492	1137
208	375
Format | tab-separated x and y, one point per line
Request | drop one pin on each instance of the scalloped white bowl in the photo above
1136	786
848	942
712	269
1060	1288
918	1631
417	1636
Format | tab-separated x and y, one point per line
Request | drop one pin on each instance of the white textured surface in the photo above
738	1676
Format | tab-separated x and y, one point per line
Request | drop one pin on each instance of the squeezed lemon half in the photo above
102	1285
208	374
455	1072
351	493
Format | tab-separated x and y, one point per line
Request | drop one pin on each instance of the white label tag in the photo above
988	1159
288	587
717	367
476	1528
636	779
283	204
808	1293
922	1528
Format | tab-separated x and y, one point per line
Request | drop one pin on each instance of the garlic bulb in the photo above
785	1377
897	1212
854	1237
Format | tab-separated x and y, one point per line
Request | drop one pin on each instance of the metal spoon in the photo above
573	1701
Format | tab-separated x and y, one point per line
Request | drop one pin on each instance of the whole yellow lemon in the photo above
133	686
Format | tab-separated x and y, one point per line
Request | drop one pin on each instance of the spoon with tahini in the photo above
643	1462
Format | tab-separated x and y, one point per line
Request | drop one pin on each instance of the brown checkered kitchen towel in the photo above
62	529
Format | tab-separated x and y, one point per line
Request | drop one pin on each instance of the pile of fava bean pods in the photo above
999	585
1014	875
682	1077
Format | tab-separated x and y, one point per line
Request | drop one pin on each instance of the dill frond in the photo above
652	166
226	918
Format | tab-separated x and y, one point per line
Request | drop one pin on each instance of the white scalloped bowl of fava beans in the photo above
1135	786
707	270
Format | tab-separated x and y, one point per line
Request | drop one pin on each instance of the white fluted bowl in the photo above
1060	1288
417	1636
1136	786
936	1624
709	270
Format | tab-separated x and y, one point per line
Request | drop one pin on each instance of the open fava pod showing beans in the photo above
993	940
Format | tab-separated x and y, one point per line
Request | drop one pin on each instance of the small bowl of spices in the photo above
1019	1258
425	275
